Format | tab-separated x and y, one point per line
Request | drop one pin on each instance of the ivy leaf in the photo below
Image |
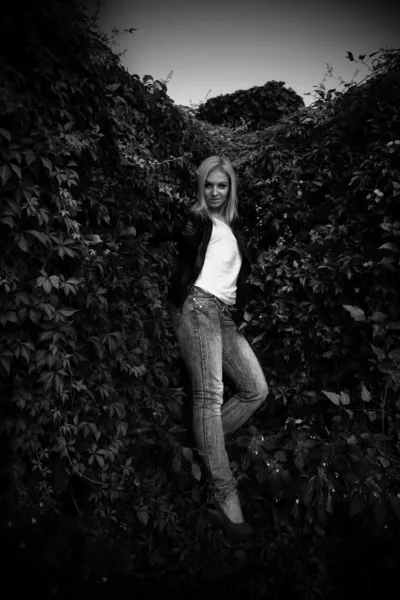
365	394
22	243
389	246
5	360
377	316
188	454
8	221
345	398
6	134
380	355
30	157
16	170
196	471
335	398
357	313
46	163
247	316
67	312
5	174
143	516
42	237
258	338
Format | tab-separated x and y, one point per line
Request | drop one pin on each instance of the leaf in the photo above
365	394
378	352
389	246
6	134
67	312
377	316
345	398
23	244
196	471
46	163
188	454
143	516
30	157
43	238
350	56
258	338
8	221
247	316
357	313
5	360
335	398
16	170
5	174
47	286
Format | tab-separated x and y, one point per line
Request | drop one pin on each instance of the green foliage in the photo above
95	462
256	108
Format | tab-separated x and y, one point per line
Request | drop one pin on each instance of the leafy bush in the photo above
256	108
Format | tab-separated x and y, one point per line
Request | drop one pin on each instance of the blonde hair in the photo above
216	163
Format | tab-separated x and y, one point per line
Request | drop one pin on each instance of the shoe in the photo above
236	532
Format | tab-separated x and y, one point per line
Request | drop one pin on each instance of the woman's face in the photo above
216	190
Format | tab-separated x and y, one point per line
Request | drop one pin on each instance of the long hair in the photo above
216	163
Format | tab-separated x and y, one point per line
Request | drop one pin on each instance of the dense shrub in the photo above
257	108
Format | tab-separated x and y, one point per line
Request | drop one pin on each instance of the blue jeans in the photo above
210	345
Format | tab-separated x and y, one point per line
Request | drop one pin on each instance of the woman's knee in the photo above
263	390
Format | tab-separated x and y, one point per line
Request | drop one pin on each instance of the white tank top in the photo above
221	264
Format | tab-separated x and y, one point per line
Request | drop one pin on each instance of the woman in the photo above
208	293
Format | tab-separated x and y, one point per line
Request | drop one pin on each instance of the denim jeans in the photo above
211	345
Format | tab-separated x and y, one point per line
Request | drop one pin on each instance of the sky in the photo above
219	47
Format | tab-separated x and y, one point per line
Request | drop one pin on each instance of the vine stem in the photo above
79	472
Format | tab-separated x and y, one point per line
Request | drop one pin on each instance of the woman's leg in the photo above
242	366
198	330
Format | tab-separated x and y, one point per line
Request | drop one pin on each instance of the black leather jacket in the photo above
192	234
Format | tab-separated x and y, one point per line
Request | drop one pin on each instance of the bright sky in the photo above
226	46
